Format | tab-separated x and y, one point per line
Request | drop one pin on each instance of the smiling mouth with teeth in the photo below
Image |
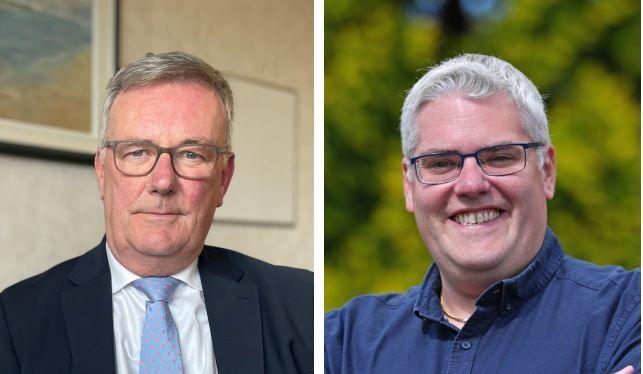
470	219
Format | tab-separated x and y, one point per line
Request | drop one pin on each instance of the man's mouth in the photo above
476	218
158	214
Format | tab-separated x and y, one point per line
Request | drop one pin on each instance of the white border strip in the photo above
318	183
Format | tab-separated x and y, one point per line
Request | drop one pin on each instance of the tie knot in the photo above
157	288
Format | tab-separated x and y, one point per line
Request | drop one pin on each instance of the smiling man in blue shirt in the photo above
501	296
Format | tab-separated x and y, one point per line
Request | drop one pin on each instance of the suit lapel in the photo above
87	309
233	313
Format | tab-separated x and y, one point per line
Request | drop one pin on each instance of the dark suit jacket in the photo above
261	316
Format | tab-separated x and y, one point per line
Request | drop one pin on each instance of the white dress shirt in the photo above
188	310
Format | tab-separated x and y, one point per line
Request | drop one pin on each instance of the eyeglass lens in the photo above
495	161
190	161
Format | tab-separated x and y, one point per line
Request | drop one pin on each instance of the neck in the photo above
151	266
457	304
459	294
156	269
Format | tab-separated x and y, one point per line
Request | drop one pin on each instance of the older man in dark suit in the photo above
151	298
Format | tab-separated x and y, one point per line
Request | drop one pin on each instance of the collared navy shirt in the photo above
559	315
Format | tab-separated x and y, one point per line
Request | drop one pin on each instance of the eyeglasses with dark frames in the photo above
499	160
190	161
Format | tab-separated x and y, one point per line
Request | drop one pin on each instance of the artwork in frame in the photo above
56	57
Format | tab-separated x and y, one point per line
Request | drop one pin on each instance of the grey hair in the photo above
165	68
476	77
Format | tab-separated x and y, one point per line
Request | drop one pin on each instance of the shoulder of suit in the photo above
263	272
36	299
53	279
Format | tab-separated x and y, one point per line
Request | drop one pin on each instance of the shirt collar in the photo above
509	293
121	277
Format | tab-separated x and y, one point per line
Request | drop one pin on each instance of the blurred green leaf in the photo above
583	55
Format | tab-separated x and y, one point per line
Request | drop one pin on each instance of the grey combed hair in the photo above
165	68
476	77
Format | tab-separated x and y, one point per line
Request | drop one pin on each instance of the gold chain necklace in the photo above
444	310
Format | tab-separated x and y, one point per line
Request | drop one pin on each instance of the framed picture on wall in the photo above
56	57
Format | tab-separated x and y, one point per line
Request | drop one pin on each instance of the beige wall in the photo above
50	210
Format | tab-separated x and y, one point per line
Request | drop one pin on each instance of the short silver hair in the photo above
476	77
165	68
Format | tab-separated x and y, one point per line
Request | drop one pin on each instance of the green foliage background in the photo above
583	55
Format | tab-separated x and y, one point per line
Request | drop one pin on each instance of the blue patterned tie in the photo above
160	350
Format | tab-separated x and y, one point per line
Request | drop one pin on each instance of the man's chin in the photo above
480	264
159	244
477	256
159	252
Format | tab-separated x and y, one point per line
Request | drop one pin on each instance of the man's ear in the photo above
226	177
407	183
99	168
549	173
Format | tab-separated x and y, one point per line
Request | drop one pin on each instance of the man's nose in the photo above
163	178
472	180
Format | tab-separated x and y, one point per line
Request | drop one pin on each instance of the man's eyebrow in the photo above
203	141
189	141
429	151
133	139
436	150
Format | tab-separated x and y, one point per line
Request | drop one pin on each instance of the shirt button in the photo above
465	345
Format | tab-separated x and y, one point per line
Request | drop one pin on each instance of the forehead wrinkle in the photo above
146	116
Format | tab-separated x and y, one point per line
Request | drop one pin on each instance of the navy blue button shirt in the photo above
559	315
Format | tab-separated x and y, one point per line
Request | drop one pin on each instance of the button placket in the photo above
462	354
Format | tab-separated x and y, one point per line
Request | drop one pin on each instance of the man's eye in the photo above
500	158
136	153
191	156
439	164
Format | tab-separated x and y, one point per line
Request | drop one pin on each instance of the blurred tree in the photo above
583	55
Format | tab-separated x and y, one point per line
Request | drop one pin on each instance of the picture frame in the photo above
31	130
